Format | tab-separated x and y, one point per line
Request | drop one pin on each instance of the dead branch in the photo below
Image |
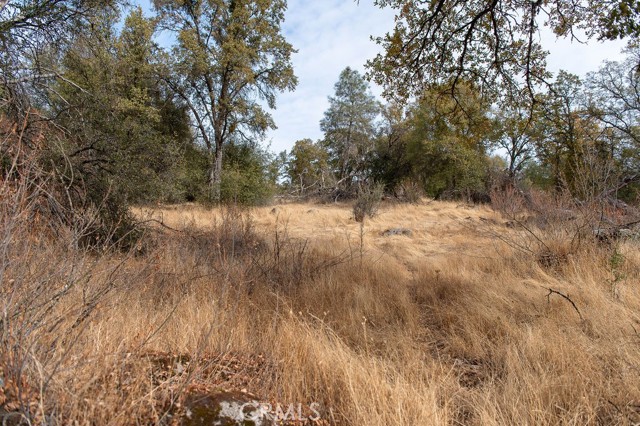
566	297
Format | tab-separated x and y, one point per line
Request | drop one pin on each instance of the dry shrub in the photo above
553	227
49	291
367	201
509	201
410	191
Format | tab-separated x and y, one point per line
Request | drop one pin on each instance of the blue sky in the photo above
333	34
330	35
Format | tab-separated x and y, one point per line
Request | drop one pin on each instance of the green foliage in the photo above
123	134
560	141
446	145
389	161
492	44
349	127
247	179
125	130
571	144
612	98
250	175
191	180
537	175
515	131
230	55
125	110
307	167
620	20
27	29
616	265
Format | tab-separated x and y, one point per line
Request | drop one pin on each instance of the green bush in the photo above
246	177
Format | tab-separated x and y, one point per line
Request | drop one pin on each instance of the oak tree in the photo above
230	56
493	43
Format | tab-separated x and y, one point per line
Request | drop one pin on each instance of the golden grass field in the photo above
439	229
454	324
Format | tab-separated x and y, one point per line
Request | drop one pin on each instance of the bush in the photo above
245	175
245	187
68	194
368	201
410	191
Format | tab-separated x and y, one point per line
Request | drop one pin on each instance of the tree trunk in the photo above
215	174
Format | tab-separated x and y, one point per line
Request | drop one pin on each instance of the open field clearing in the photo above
450	323
438	230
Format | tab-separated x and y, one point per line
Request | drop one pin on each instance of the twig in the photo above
159	223
552	291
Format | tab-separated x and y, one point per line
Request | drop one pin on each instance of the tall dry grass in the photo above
453	324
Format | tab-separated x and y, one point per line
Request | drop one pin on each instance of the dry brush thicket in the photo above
461	322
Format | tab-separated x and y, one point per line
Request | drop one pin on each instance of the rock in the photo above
603	234
613	234
224	409
397	231
625	233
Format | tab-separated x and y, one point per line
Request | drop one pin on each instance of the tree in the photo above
390	164
614	96
247	176
571	143
308	167
515	132
98	124
125	135
491	43
349	126
27	27
557	147
447	145
230	54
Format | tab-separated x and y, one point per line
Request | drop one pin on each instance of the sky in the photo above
329	35
333	34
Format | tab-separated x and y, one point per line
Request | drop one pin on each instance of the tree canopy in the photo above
494	44
230	55
136	121
348	125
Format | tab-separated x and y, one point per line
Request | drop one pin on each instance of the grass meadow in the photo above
478	316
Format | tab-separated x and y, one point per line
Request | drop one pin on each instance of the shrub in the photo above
368	201
245	177
410	191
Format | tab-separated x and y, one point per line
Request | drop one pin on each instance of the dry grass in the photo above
439	229
299	303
